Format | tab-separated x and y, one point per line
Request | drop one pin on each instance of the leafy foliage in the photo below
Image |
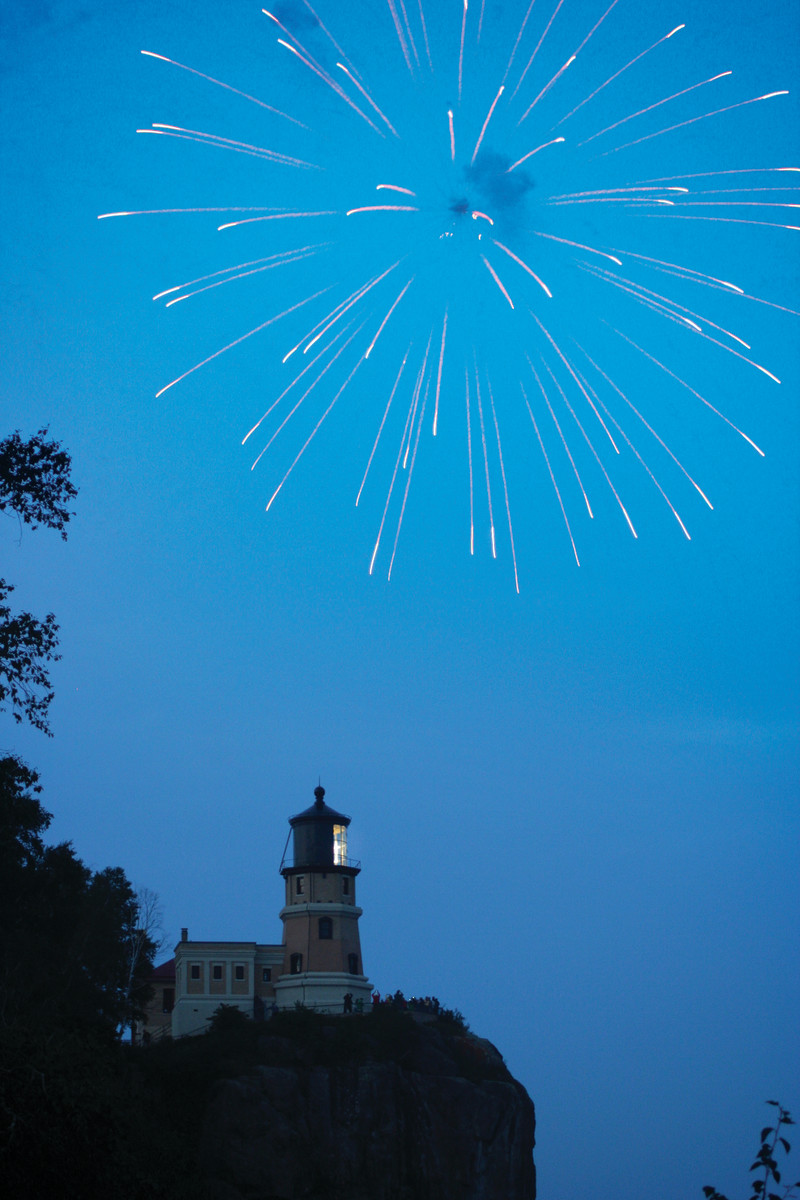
454	1017
35	485
767	1163
74	962
35	480
66	930
66	988
27	645
228	1018
22	818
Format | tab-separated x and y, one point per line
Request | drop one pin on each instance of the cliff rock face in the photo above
439	1118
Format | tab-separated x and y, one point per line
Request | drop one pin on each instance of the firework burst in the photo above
500	217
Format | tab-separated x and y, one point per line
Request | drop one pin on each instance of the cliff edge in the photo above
379	1107
388	1105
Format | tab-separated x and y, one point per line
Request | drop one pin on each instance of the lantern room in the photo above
319	840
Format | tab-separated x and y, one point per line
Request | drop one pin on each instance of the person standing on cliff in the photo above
348	1002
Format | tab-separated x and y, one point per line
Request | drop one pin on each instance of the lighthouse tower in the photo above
322	950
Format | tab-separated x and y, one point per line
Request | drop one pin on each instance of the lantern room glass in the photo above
340	845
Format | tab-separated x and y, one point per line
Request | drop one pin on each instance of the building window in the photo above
266	974
352	964
217	971
168	1000
325	928
238	972
195	970
345	885
299	885
296	964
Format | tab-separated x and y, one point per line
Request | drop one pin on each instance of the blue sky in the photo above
576	806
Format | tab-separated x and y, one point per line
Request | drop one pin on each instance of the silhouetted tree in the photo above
146	939
67	931
35	481
69	980
66	992
27	645
35	485
228	1018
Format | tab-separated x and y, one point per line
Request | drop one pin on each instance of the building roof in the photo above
165	972
320	811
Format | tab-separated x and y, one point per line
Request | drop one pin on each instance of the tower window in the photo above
299	884
296	964
266	974
195	970
345	885
217	971
325	928
352	964
239	972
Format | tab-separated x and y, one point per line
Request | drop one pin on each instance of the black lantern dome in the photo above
319	839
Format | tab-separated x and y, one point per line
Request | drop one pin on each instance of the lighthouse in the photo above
318	963
321	946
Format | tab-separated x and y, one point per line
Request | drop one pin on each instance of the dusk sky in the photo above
576	805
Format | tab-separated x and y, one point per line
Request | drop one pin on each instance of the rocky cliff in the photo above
380	1106
368	1108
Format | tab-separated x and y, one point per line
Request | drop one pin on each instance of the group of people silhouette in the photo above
426	1004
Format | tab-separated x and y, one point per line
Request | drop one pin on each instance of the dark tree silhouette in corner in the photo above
74	959
65	938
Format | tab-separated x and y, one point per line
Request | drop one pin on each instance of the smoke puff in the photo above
489	174
294	16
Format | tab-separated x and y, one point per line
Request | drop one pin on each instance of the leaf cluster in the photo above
228	1018
27	645
35	484
453	1017
766	1164
35	480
